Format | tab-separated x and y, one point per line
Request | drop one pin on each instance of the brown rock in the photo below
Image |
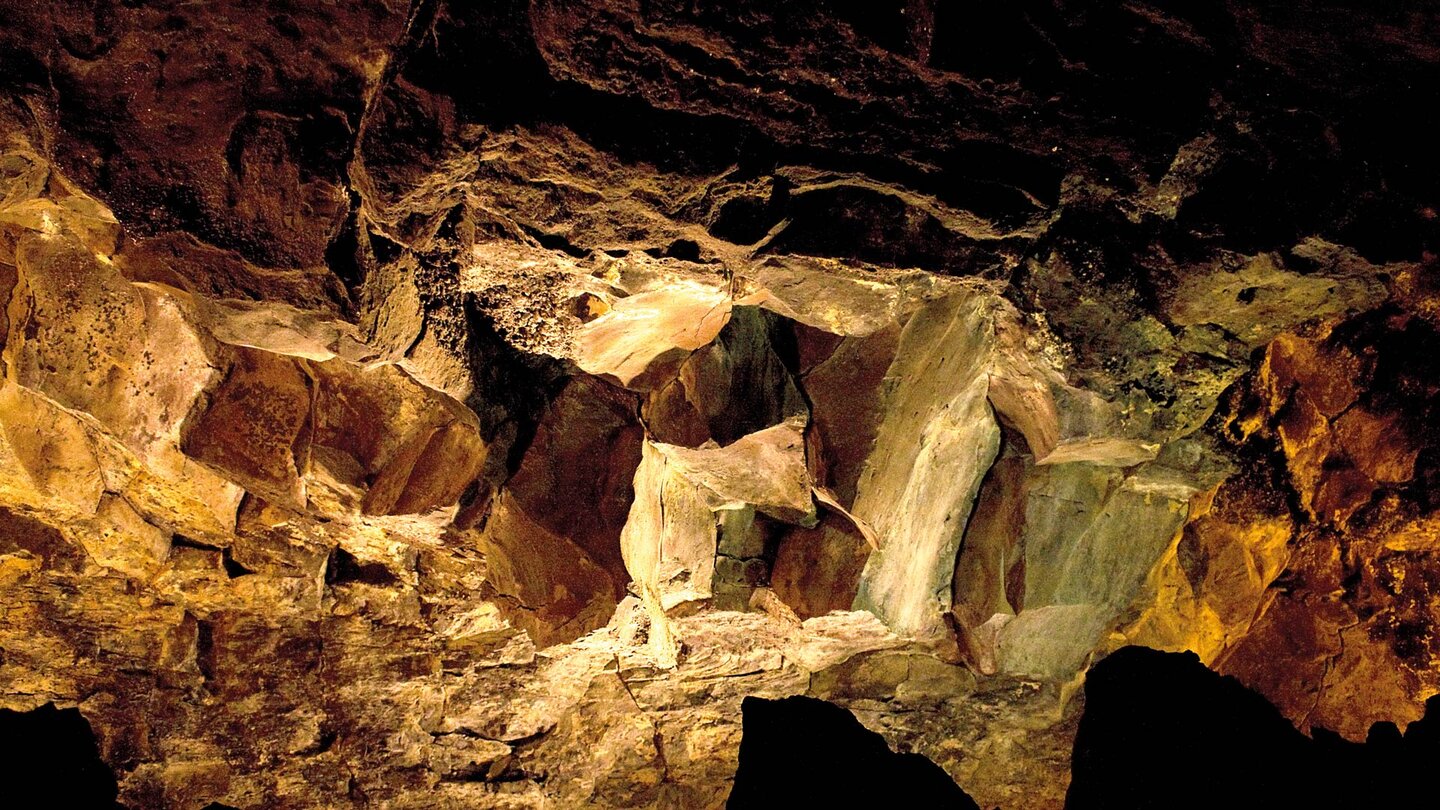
1377	444
251	432
548	585
817	570
576	476
650	329
844	390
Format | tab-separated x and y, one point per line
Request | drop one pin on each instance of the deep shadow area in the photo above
1161	730
803	752
48	758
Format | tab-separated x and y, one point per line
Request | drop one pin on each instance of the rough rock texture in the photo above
468	404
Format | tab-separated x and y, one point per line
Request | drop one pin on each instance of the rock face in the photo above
448	404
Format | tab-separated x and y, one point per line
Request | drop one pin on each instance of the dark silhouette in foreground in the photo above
48	757
803	752
1161	730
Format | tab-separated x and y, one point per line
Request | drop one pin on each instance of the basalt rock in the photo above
448	404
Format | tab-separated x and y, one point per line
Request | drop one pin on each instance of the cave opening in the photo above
49	757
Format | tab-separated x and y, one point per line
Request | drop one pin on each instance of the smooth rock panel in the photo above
937	439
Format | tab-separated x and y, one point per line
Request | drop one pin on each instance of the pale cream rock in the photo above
646	327
936	441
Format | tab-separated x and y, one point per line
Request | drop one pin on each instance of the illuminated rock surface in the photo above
449	404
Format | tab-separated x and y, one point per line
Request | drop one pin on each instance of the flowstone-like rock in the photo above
931	450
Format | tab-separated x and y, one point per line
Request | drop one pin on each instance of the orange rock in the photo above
1378	444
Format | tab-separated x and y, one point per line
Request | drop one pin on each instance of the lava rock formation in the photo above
456	404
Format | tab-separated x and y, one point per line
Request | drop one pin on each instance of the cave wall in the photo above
399	398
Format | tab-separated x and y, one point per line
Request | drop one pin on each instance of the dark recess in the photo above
49	758
1160	730
345	568
803	752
